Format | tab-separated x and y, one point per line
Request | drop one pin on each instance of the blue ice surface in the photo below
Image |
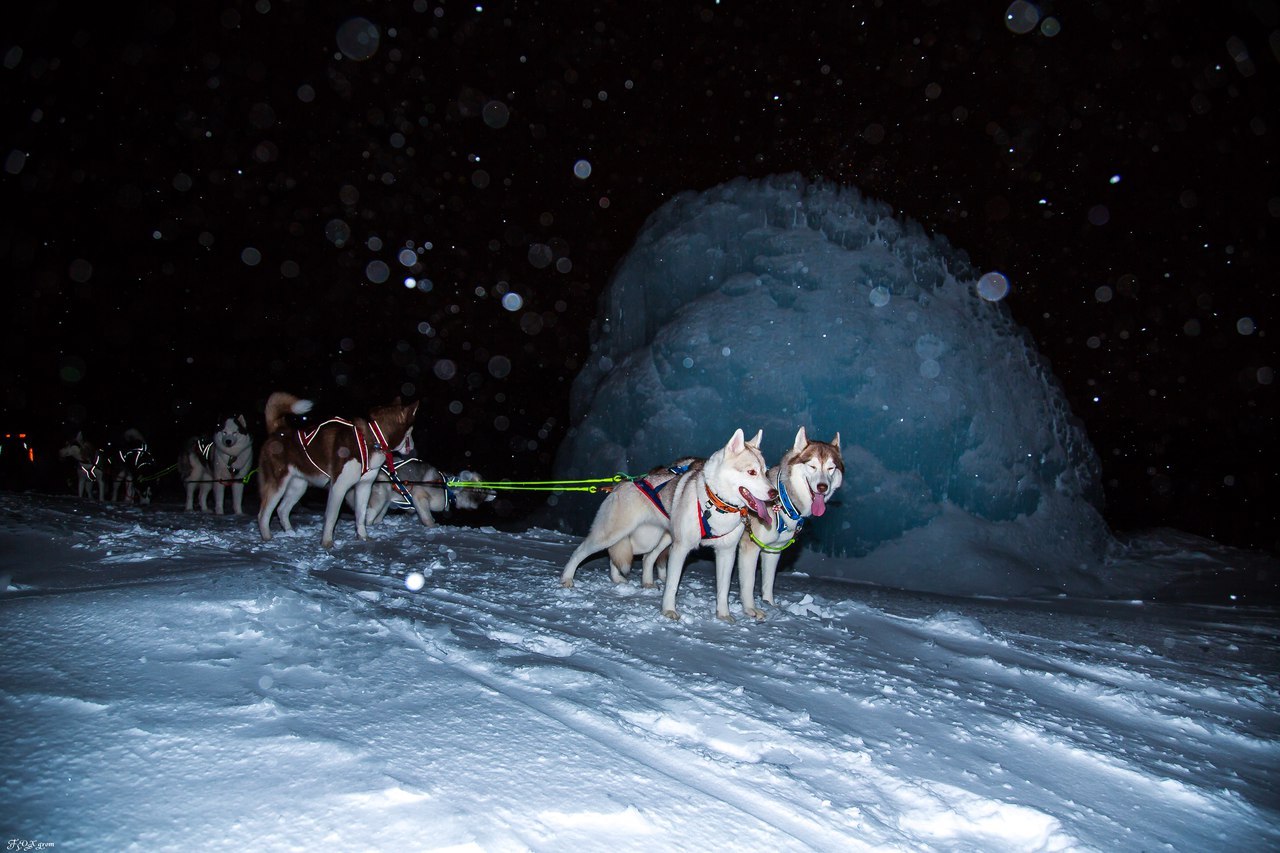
779	303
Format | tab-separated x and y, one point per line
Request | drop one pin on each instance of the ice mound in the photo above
780	302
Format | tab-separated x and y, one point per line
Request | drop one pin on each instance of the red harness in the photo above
386	447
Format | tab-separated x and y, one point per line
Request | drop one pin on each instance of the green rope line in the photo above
616	478
584	485
158	474
174	467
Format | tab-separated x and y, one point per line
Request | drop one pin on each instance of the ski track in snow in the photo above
287	697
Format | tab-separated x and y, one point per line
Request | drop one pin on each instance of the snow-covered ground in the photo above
170	682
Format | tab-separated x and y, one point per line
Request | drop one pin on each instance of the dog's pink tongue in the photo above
819	504
759	507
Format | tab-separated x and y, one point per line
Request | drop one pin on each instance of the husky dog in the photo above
232	459
709	501
635	504
420	486
337	453
90	466
194	467
128	465
808	474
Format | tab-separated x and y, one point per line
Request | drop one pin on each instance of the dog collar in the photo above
772	549
725	507
784	500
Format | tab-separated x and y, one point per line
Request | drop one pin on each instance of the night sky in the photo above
205	202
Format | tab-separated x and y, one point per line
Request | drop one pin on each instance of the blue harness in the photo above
651	492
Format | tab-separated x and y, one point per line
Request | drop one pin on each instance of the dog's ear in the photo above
801	440
835	442
737	442
755	442
244	424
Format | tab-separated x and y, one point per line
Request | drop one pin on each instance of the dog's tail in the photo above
280	404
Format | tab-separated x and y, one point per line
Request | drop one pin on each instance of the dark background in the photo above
175	174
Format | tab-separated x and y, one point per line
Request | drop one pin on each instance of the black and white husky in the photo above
232	462
703	504
211	465
805	479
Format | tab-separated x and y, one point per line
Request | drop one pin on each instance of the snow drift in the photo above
779	303
171	682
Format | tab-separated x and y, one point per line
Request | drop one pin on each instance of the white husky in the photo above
707	505
808	474
422	487
232	461
638	505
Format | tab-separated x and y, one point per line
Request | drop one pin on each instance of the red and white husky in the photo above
338	454
806	477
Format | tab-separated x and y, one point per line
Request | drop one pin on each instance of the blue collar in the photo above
785	501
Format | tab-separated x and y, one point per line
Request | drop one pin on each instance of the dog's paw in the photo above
727	617
650	585
567	583
672	615
755	613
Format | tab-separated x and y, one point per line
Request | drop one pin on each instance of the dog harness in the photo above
650	491
205	448
92	469
384	446
783	505
404	499
305	439
136	458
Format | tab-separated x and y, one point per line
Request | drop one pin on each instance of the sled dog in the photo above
196	471
232	460
339	454
423	488
91	464
806	477
635	504
128	466
707	505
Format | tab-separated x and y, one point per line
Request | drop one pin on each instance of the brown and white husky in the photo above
804	480
338	454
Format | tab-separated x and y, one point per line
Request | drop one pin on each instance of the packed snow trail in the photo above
170	679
